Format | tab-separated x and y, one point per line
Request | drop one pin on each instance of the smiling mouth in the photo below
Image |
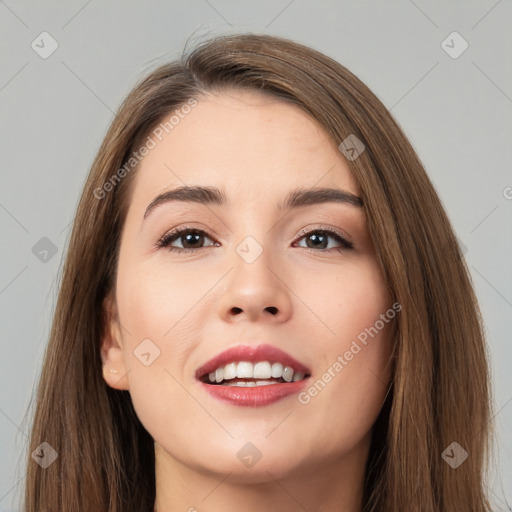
247	374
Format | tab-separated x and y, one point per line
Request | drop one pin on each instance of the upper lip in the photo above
253	354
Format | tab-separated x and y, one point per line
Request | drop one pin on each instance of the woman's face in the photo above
302	279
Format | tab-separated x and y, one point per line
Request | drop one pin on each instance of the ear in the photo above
112	347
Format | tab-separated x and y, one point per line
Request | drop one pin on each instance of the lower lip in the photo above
256	396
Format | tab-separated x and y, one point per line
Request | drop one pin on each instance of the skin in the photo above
313	456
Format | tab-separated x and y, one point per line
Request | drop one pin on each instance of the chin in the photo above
248	464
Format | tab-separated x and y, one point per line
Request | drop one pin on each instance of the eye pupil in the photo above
190	236
317	238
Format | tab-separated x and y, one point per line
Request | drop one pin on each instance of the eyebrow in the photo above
296	198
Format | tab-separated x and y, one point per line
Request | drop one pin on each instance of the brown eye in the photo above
319	239
190	239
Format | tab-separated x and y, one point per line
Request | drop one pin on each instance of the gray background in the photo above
457	113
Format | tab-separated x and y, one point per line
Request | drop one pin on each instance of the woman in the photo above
320	348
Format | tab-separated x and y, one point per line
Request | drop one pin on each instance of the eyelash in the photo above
177	233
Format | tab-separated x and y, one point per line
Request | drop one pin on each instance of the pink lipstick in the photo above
248	375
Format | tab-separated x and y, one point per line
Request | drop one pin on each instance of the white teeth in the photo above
259	370
230	371
244	370
288	374
277	370
262	370
298	376
250	384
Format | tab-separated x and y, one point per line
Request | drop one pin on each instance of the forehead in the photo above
255	146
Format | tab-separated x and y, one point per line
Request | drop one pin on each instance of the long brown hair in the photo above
440	390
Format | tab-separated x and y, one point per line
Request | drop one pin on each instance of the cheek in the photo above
153	307
344	401
345	396
156	302
158	334
344	302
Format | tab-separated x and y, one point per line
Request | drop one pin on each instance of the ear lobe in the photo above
112	347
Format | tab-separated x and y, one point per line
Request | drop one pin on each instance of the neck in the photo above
334	486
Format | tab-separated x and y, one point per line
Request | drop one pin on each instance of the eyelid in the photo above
318	227
177	232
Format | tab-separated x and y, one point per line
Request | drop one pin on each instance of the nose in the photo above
256	291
